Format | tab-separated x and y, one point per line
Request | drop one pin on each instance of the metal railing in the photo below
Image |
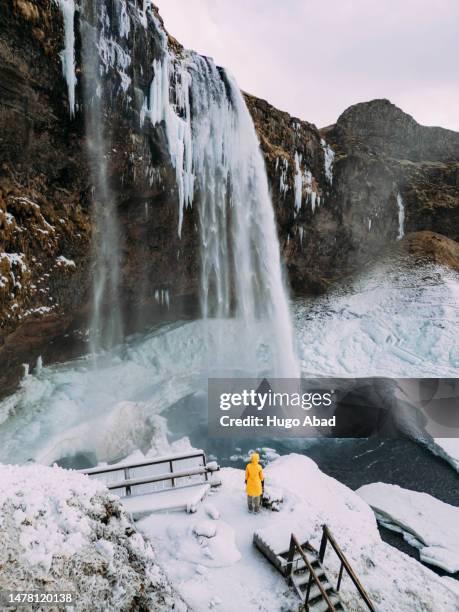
154	475
328	537
296	546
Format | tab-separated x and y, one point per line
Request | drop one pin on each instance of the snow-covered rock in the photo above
62	529
212	512
242	579
424	521
205	529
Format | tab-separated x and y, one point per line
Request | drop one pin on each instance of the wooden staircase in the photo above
302	567
305	573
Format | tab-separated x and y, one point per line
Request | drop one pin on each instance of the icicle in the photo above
401	217
283	184
313	200
298	183
125	22
178	128
68	54
329	157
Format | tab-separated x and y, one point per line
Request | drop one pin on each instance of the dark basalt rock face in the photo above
46	185
380	153
388	130
422	163
331	219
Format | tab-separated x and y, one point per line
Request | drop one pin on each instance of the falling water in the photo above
219	168
106	326
241	269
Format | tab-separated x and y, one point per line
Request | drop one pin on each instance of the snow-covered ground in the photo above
425	522
61	531
392	321
212	563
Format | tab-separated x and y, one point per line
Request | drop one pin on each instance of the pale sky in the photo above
314	58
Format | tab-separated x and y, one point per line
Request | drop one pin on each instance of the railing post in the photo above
323	544
340	577
291	554
172	471
126	477
308	592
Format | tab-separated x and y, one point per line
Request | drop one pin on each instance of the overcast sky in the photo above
314	58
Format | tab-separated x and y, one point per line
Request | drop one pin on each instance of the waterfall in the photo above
106	328
401	217
219	169
240	255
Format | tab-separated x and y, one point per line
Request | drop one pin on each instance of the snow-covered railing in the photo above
155	475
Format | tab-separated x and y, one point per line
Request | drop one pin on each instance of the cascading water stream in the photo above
106	326
241	269
219	167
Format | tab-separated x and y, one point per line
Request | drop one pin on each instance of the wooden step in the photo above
322	606
300	565
302	583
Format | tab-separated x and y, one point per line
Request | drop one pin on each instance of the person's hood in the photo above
255	458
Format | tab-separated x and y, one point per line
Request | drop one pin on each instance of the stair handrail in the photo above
295	545
328	537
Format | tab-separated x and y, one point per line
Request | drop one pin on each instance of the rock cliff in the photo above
341	194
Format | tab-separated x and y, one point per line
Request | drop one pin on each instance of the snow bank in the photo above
229	567
61	529
425	522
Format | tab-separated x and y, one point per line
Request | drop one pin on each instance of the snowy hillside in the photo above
64	532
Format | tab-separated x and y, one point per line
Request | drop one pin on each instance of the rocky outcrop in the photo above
338	193
45	227
428	247
388	130
389	176
395	155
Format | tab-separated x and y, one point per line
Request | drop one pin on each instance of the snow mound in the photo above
206	529
212	512
424	521
62	529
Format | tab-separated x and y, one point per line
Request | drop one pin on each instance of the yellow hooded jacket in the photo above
254	476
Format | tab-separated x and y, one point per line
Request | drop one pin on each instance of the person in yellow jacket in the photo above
254	483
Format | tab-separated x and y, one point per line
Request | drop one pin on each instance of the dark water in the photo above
354	462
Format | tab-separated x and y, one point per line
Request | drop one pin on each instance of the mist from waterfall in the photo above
106	323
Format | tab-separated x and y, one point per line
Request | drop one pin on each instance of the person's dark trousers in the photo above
253	502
